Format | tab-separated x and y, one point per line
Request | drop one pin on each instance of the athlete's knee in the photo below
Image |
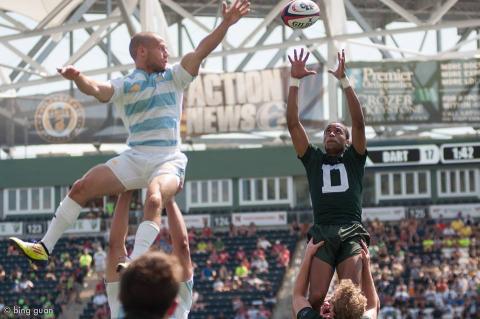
80	190
153	202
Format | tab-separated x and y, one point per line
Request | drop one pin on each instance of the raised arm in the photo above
300	288
368	286
102	91
359	140
179	234
118	234
296	129
191	61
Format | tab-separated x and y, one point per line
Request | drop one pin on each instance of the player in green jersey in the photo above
335	180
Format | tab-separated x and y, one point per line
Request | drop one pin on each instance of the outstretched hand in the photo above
312	248
237	10
340	71
365	253
69	72
299	69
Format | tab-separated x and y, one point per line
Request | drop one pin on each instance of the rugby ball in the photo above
300	14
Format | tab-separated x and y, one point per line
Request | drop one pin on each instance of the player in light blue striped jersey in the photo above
149	101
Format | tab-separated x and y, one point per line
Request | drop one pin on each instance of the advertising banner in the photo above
213	103
417	92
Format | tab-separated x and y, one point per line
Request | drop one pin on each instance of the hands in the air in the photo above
299	70
237	10
312	248
69	72
365	253
340	71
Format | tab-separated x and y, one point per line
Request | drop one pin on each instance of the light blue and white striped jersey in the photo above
150	106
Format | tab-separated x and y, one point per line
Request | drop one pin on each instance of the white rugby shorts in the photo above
136	169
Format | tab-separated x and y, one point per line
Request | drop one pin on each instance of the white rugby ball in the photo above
300	14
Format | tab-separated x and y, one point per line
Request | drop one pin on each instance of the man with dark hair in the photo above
149	100
335	180
117	252
149	286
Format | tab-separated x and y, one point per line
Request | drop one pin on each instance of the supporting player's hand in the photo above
340	71
237	10
312	248
69	72
299	70
365	253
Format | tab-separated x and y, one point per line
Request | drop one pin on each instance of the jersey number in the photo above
327	178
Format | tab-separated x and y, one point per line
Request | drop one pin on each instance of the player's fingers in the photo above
331	71
312	72
338	56
319	244
224	7
290	59
301	55
295	54
306	57
343	54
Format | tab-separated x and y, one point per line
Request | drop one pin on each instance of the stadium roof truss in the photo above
57	20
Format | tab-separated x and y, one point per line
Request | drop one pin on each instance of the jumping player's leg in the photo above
117	251
160	190
100	180
349	262
321	274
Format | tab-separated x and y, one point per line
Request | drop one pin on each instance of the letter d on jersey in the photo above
327	180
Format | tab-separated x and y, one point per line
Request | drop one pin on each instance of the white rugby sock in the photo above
146	233
66	214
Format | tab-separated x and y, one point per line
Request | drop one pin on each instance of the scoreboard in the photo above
409	155
460	153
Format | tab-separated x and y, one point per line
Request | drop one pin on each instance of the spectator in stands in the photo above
85	261
99	258
202	247
102	312
260	264
242	271
2	274
23	285
263	243
192	236
252	230
100	299
283	258
208	273
219	245
218	285
237	303
197	301
240	254
11	251
232	230
223	257
79	277
294	229
206	231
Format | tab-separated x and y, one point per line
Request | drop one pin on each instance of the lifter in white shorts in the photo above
117	253
149	100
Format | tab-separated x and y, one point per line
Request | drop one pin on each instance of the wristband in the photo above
345	83
294	82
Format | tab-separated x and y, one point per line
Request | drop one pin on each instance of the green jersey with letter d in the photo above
335	185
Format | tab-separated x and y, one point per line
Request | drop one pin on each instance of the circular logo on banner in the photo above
59	118
271	116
